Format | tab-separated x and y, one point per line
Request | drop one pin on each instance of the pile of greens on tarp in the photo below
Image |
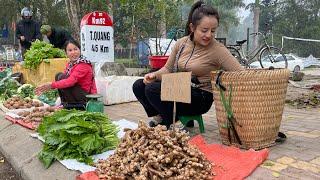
49	97
26	90
39	51
5	73
72	134
8	85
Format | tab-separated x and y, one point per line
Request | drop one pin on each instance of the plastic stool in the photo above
185	119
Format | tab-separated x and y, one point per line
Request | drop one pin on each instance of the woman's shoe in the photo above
179	127
155	121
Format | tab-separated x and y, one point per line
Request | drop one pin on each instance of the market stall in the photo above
45	72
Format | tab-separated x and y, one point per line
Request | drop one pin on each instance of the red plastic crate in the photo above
157	62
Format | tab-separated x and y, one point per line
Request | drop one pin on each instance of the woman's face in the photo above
205	31
73	52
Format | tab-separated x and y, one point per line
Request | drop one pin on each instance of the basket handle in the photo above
218	82
231	121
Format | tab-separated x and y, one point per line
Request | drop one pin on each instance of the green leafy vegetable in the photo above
49	97
5	73
39	51
72	134
26	90
8	88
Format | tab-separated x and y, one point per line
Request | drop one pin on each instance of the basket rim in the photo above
252	70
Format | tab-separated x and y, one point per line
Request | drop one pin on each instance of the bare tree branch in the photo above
73	11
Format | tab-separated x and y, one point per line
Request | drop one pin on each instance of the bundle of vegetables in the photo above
26	90
155	153
33	118
8	88
36	114
72	134
39	51
4	73
49	97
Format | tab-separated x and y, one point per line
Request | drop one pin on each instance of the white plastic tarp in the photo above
311	61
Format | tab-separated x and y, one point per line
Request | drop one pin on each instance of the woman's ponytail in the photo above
197	12
193	8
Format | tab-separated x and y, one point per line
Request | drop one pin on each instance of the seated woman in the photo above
76	82
198	52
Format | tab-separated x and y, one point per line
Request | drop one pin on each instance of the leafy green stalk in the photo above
227	104
39	51
72	134
8	88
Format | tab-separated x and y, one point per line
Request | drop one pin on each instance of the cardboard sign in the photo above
97	42
176	87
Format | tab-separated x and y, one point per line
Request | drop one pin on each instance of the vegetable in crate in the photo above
72	134
39	51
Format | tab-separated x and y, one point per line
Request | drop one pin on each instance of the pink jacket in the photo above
80	74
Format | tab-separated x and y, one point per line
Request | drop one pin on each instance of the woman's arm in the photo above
79	71
150	77
227	61
43	88
161	71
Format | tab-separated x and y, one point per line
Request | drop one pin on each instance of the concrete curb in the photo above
21	150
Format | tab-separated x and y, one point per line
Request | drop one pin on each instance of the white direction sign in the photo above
97	42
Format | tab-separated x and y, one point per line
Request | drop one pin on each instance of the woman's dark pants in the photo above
72	97
149	96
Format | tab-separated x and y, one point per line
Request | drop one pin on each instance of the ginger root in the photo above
155	153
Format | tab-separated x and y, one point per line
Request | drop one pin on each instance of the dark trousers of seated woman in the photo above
72	97
149	96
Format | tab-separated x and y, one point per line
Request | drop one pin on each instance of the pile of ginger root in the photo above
155	153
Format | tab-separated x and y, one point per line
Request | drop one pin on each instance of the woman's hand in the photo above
149	78
43	88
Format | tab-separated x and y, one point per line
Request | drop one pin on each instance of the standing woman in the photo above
198	52
76	82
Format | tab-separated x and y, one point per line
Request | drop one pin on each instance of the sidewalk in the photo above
297	158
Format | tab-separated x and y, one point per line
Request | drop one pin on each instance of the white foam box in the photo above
116	89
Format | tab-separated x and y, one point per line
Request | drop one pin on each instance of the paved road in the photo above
6	170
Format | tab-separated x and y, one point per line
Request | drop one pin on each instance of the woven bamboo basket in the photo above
257	101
